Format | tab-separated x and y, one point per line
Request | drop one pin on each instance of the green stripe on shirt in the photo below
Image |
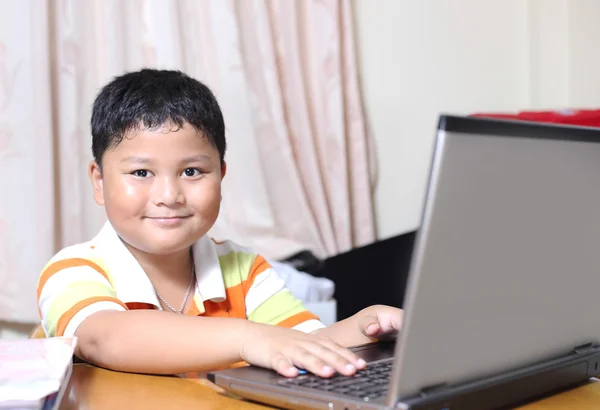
235	267
277	308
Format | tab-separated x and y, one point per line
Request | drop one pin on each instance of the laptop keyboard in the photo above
367	384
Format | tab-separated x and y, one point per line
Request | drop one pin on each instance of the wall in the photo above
10	330
420	58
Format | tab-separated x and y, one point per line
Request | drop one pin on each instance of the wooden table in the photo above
98	389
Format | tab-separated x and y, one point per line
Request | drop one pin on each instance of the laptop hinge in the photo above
432	389
584	348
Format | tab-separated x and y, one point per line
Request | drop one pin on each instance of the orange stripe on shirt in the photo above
65	264
193	310
66	317
234	304
140	306
297	319
258	266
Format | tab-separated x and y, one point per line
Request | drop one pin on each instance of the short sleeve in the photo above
269	301
69	290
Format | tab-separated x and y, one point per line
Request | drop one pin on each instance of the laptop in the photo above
502	295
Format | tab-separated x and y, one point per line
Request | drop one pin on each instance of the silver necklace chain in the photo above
187	293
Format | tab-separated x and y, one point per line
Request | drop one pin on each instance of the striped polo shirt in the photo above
102	274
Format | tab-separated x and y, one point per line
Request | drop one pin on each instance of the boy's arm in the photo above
345	332
368	325
149	341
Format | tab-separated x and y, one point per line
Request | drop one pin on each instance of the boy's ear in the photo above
97	183
223	170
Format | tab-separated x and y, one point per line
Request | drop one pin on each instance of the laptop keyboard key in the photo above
367	384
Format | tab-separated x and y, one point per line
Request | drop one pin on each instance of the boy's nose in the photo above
167	192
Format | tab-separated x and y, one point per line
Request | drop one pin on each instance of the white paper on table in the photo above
32	369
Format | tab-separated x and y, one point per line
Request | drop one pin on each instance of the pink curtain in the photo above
284	72
309	127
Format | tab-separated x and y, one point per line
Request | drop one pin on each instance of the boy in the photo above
151	293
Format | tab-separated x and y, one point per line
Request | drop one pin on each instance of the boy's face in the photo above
161	189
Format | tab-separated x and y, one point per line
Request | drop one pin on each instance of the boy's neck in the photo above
176	266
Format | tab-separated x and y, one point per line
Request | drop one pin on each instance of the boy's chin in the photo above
156	240
165	247
167	244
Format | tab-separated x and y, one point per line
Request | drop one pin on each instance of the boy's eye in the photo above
191	172
141	173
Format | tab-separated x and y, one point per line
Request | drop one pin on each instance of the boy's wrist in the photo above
248	332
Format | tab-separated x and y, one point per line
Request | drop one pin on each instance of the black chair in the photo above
373	274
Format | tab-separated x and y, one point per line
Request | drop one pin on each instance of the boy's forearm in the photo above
146	341
345	332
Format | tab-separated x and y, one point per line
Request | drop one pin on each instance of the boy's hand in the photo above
380	322
285	350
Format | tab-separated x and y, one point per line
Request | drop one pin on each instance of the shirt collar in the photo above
209	278
133	285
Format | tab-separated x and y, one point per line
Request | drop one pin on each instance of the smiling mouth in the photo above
168	221
166	218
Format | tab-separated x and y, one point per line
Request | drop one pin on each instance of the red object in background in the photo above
587	118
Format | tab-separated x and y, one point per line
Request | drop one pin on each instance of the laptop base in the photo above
515	387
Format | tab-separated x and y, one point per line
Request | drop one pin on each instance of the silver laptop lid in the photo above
506	267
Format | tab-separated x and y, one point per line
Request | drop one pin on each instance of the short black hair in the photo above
149	99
